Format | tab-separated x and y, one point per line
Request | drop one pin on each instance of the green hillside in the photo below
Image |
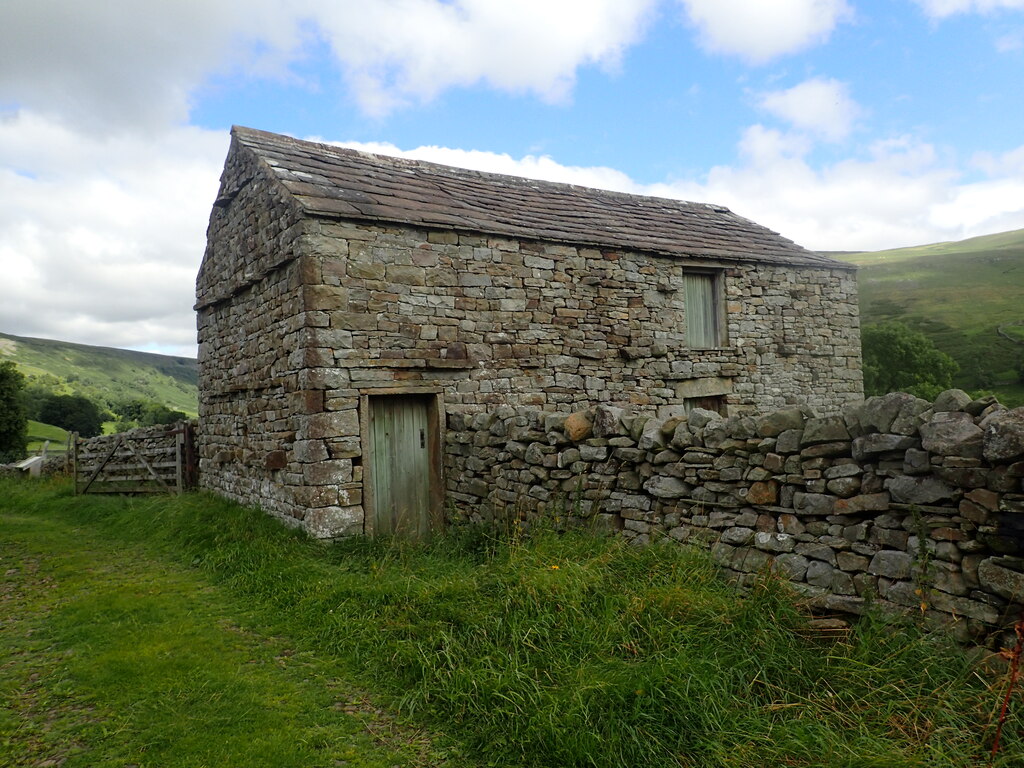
39	433
104	374
961	295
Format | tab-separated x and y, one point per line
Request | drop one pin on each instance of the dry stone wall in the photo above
908	504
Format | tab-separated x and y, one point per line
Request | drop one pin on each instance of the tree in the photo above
156	413
74	413
13	423
144	413
900	359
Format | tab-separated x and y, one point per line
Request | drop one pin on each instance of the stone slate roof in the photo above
344	183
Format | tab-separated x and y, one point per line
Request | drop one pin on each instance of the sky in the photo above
842	124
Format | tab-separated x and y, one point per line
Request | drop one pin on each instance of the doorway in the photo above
404	464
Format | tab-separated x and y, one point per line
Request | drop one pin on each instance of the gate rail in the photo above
158	459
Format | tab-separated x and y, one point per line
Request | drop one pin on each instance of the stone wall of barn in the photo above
499	321
905	503
269	434
299	316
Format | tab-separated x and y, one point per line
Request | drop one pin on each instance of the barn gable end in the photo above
348	298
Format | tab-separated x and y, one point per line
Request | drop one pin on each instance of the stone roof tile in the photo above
333	181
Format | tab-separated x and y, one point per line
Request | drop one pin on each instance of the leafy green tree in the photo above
156	413
900	359
13	423
74	413
144	413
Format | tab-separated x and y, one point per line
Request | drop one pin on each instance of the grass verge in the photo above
112	656
573	651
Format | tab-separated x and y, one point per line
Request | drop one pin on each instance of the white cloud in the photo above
101	238
940	9
128	64
821	107
900	194
531	166
123	63
760	31
395	52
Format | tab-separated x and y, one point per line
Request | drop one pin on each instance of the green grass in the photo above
104	374
109	658
564	650
958	294
39	433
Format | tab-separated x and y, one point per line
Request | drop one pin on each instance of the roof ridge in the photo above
333	180
528	180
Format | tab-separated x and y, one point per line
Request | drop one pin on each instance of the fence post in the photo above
73	439
179	443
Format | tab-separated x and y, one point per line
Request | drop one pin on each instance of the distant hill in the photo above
105	374
967	296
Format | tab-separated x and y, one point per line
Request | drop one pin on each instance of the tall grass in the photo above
571	650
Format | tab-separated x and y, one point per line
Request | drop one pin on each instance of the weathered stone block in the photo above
579	426
789	441
951	400
825	429
819	574
792	565
737	537
813	503
844	487
918	490
276	460
1003	576
331	424
868	502
328	472
866	446
334	522
952	433
891	564
663	487
848	561
763	493
1003	439
774	424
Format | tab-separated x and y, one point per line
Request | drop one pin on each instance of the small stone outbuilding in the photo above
350	304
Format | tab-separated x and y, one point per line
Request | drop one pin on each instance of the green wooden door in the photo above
401	468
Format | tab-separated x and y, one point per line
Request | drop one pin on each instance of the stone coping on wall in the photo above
911	505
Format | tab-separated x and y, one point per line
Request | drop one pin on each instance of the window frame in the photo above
717	334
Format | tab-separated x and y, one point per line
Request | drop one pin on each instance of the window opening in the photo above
703	324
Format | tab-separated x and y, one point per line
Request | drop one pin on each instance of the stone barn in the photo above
350	306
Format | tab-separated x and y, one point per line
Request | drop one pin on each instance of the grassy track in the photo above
561	651
113	657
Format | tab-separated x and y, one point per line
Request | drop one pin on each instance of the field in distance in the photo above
966	296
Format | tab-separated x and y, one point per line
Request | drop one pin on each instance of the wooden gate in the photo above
149	460
403	464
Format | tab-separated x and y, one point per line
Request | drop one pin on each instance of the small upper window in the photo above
703	324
